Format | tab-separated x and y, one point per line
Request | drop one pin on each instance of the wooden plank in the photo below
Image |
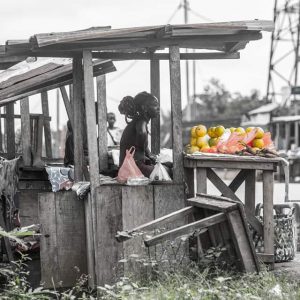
53	79
37	155
67	104
10	126
214	203
47	128
48	239
167	199
296	134
176	115
155	91
201	180
29	74
190	182
268	186
227	192
238	180
231	163
102	122
71	237
90	114
287	136
163	56
90	247
109	221
137	209
186	229
78	118
250	191
25	131
179	214
242	242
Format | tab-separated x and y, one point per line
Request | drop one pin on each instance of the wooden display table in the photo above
199	168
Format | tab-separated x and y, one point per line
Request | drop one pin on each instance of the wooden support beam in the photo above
91	118
296	134
186	229
268	186
102	121
287	136
68	104
10	123
47	128
78	118
176	114
177	215
164	56
25	131
155	91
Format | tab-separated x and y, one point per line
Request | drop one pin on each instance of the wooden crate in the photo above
218	221
63	238
120	208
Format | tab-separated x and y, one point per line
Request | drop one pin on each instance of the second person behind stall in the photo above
138	112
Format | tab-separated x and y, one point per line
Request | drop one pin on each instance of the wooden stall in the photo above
109	208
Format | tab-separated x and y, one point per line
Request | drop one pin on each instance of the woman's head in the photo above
143	105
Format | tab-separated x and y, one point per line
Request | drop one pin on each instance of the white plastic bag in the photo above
159	172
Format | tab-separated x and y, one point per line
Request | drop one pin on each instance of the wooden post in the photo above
155	91
10	122
250	192
91	117
47	129
78	118
268	185
25	131
102	122
1	138
201	176
287	136
67	104
296	134
277	137
176	114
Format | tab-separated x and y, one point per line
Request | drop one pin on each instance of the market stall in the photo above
113	207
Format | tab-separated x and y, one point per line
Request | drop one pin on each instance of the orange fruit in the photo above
248	129
258	143
193	132
193	141
219	130
200	130
240	130
213	142
194	149
211	132
204	148
201	142
259	133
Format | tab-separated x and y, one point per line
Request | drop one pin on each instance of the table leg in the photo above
250	192
190	181
268	185
201	176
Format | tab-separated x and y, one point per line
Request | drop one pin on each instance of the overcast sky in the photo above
21	19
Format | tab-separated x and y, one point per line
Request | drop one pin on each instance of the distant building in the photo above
261	116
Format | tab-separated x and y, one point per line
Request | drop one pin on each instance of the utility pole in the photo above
188	112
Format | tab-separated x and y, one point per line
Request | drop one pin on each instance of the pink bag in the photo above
129	169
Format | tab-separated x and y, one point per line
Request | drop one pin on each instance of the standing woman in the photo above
140	110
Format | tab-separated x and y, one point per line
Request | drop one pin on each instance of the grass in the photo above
208	284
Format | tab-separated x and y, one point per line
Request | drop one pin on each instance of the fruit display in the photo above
238	141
